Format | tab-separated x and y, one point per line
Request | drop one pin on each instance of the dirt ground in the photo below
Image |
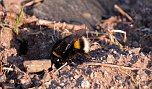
113	64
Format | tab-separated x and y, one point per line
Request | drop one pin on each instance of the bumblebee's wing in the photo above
54	52
86	55
62	45
56	44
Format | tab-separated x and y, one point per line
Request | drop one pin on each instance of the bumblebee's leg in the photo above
86	55
56	62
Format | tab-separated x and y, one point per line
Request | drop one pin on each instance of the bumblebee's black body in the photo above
66	48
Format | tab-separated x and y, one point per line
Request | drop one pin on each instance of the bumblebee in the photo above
64	49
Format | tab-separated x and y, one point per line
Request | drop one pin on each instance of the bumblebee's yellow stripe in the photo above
56	54
77	44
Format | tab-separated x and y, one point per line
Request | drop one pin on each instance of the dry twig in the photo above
8	69
60	25
123	12
32	2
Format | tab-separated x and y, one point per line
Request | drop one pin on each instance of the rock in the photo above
37	65
135	50
74	11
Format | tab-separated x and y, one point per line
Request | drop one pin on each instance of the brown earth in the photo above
110	66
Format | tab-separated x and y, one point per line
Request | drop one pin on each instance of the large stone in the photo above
87	12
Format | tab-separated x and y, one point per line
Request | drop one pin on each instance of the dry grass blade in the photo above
123	32
113	38
110	37
115	66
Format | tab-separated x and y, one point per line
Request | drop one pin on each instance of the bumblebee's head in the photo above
82	44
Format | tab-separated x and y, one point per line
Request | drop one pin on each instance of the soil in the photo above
110	65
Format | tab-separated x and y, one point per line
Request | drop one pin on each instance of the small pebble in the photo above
58	87
135	50
93	58
46	77
76	76
92	75
112	88
2	78
23	81
85	84
47	84
11	81
110	59
101	58
71	78
62	84
115	52
145	87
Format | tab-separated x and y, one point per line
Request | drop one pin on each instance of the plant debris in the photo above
120	35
